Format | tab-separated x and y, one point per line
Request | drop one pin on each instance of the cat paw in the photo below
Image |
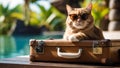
73	38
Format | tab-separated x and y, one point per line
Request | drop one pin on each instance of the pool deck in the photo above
23	62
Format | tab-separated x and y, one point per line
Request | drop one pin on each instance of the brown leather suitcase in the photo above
86	51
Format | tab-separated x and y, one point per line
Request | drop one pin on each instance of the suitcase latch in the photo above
96	48
40	47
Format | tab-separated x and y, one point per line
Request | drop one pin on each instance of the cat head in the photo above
79	18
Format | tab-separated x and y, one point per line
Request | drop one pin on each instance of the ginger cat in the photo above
79	25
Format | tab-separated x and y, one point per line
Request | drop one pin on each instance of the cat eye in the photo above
73	16
84	16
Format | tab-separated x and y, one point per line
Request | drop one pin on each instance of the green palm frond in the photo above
51	18
10	15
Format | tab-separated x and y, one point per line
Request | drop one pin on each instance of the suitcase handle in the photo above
69	55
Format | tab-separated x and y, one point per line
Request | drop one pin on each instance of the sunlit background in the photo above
13	3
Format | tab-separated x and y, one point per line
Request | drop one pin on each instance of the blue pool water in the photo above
11	46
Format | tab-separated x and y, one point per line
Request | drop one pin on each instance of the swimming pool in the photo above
11	46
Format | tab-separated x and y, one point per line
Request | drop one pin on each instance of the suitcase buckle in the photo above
39	48
96	48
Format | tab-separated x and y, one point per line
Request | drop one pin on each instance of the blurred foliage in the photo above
51	18
99	10
8	18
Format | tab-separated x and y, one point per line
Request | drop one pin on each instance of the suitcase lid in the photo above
115	42
61	42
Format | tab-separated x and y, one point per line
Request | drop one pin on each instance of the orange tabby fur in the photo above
79	25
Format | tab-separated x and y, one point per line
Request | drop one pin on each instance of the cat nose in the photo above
78	20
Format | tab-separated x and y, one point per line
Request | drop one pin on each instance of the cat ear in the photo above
69	8
89	7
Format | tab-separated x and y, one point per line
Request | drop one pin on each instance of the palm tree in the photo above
26	12
49	18
8	18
